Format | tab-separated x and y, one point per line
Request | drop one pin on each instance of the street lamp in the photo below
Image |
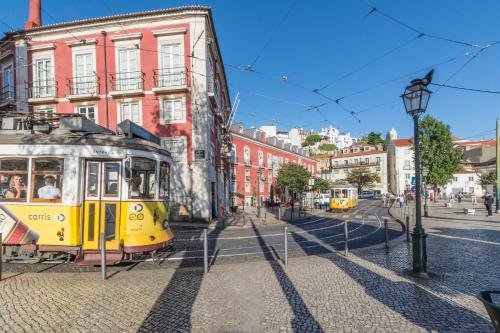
425	173
415	98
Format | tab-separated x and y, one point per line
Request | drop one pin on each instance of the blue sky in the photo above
313	43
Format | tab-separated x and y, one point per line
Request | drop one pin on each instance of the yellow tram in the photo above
343	196
61	188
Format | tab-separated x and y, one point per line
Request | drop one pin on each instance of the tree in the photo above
294	177
362	177
438	154
321	185
311	140
327	147
373	138
489	178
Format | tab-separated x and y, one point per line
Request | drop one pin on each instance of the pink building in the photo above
162	69
254	154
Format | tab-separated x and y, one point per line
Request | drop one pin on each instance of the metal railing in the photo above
42	89
83	85
7	94
123	81
169	77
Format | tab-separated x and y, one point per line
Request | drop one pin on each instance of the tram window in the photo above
47	179
111	179
142	184
93	180
164	180
13	179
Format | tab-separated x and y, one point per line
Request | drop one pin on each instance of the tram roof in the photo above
342	185
63	137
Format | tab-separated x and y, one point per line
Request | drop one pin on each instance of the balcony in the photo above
42	91
355	165
7	99
126	84
169	80
83	88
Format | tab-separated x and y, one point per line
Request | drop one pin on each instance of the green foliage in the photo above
293	176
327	147
321	185
239	195
386	142
362	177
373	138
489	178
438	153
311	139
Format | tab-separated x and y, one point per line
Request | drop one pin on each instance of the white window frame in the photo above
182	101
96	113
245	159
45	109
40	55
176	139
81	50
171	40
127	44
12	86
120	105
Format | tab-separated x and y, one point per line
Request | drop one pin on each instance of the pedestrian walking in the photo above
401	200
459	197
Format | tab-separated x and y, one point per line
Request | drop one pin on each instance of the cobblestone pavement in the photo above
369	291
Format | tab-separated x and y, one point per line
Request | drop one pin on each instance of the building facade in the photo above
161	69
401	165
256	160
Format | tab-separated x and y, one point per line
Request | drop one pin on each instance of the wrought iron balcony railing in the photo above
83	85
7	94
355	165
127	81
42	89
169	77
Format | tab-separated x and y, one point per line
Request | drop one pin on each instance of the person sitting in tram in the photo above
135	186
17	189
49	191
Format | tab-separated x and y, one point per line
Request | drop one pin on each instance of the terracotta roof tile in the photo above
402	142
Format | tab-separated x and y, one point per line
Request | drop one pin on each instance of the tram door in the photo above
102	204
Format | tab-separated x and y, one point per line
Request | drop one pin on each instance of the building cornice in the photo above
169	32
116	38
84	41
42	47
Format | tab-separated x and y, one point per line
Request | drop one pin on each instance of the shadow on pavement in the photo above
303	319
410	300
172	310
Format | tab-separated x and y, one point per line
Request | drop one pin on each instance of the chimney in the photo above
35	16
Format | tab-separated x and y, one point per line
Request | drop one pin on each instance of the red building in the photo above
162	69
252	155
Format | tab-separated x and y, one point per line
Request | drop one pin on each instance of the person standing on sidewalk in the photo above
489	204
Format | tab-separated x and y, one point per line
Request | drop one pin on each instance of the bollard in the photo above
103	256
386	226
408	229
205	251
346	239
285	232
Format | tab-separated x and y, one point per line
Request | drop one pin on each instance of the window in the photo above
43	73
111	179
84	81
269	161
143	178
47	179
406	165
355	150
13	179
128	76
367	148
246	155
261	159
131	112
93	179
377	159
247	180
7	83
455	179
356	161
471	179
173	111
177	148
88	111
346	162
44	113
378	169
172	62
367	160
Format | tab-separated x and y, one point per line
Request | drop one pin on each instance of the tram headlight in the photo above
137	208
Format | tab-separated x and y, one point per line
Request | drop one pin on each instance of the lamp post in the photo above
425	173
415	98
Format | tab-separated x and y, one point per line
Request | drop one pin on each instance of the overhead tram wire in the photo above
357	69
271	36
407	26
443	85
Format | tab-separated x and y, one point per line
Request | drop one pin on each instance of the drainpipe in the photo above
106	78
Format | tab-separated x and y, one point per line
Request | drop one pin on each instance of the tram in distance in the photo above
343	196
61	188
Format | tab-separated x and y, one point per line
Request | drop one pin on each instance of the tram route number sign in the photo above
199	154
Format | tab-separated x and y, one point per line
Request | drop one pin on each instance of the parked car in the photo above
366	195
322	200
465	195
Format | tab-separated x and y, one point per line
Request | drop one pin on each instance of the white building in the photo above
464	181
270	130
401	166
341	140
367	156
393	135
